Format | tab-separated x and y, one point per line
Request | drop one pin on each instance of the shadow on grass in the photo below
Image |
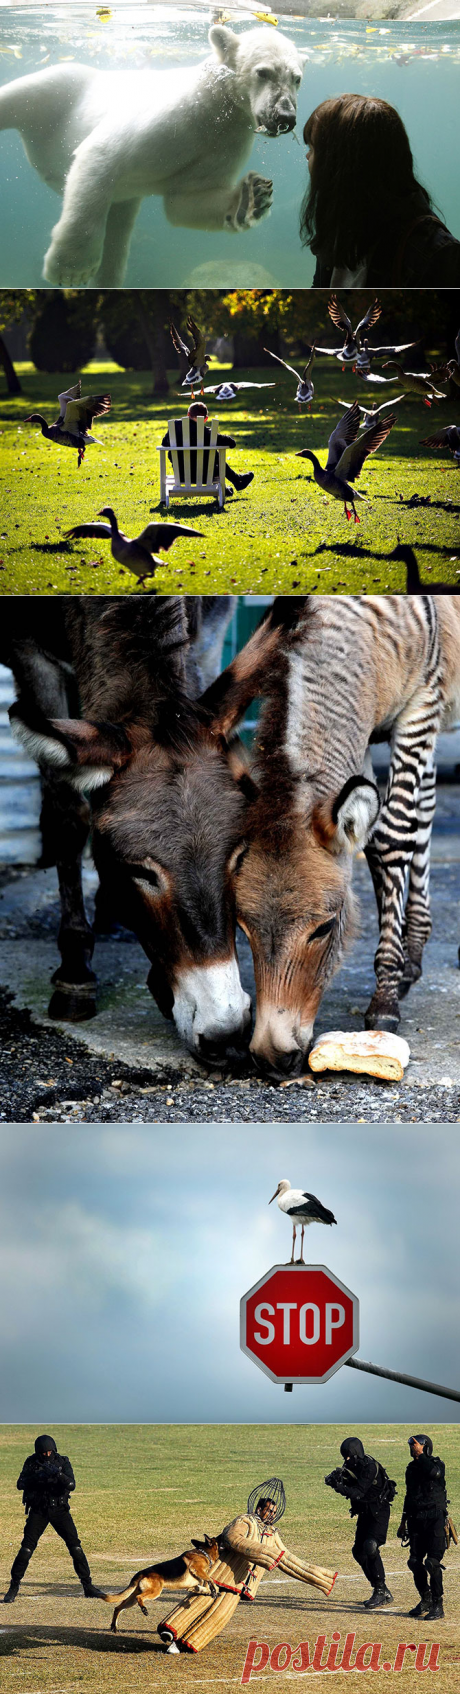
418	505
50	547
97	1641
188	509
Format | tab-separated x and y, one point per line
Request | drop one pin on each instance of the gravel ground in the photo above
48	1078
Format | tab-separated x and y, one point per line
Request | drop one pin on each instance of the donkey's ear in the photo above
354	814
85	754
247	678
225	43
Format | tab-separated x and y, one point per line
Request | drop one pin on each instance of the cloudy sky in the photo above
124	1252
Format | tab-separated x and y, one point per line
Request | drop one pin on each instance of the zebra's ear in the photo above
354	813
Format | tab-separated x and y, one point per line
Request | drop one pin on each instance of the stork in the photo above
303	1208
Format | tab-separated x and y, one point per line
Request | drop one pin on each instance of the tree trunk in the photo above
12	379
155	335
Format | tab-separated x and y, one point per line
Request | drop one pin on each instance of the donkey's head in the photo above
292	868
292	883
168	804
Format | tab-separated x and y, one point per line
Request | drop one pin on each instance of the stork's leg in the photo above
301	1260
293	1243
347	513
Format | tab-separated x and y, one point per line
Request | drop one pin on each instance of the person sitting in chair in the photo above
199	410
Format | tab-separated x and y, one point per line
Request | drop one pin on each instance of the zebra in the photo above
337	675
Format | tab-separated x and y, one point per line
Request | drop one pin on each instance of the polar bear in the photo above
107	138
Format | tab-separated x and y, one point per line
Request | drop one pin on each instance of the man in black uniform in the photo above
423	1524
47	1479
366	1485
198	409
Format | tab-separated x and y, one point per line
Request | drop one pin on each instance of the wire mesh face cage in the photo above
271	1490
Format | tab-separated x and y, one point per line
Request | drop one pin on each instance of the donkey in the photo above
339	675
189	1570
103	706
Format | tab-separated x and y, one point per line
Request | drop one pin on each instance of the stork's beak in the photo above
274	1195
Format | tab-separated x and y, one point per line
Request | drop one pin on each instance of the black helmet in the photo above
44	1444
352	1448
424	1441
271	1491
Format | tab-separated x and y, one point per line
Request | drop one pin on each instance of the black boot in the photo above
423	1607
380	1597
436	1611
11	1595
243	481
91	1592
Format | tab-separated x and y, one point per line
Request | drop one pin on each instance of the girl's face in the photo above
310	156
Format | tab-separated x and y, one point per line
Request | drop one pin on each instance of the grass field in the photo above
142	1491
280	534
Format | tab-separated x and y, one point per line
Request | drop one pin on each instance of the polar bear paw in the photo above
250	202
71	263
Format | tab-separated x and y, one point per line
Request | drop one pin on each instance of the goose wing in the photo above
68	394
334	352
448	437
163	535
389	352
373	377
79	414
102	530
339	317
369	319
352	460
198	349
178	343
342	436
283	362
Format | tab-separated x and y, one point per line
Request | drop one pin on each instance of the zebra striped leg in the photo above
394	843
417	924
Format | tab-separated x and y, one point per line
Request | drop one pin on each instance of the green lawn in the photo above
280	534
142	1491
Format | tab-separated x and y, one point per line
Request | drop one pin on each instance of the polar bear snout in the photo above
285	115
274	106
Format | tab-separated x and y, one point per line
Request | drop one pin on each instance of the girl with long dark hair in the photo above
365	216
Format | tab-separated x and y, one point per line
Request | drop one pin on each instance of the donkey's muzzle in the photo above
278	1066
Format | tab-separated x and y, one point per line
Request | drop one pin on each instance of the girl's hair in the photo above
361	180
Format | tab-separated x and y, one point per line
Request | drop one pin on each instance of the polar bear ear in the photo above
225	44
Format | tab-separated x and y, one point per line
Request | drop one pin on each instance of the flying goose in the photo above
305	390
348	353
195	353
73	424
416	382
229	390
369	416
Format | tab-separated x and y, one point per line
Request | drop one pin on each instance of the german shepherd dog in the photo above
189	1570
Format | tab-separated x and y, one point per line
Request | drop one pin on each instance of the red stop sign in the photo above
299	1323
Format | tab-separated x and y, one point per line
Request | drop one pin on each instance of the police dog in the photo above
189	1570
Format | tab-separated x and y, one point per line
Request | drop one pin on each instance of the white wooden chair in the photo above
171	481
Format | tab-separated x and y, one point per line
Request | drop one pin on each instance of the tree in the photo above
64	330
138	318
13	303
